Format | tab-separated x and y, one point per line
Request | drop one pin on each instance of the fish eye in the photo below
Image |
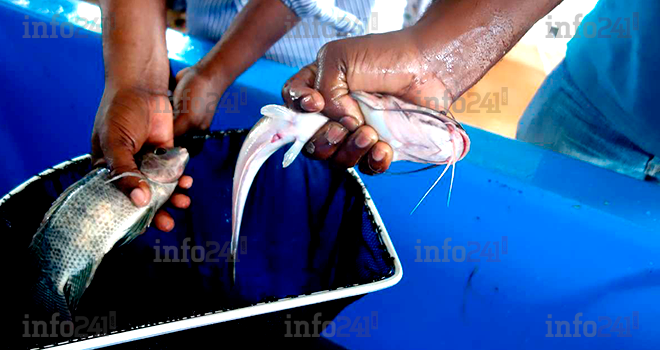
160	151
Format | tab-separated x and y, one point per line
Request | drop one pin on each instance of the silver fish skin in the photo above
415	133
86	221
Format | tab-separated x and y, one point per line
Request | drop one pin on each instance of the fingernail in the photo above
186	203
378	154
295	94
362	140
349	123
309	147
335	134
306	100
373	169
138	197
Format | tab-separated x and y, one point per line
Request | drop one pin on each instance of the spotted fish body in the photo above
86	221
415	134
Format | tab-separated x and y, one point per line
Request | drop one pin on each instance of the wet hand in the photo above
390	63
127	120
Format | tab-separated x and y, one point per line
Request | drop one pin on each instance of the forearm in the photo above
255	29
461	40
134	48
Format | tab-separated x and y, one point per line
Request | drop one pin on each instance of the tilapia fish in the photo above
86	221
415	133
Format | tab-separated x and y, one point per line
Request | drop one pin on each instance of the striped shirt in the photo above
322	21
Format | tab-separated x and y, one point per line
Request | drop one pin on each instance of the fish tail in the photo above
278	112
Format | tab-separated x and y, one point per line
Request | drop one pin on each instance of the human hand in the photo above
196	98
391	63
128	119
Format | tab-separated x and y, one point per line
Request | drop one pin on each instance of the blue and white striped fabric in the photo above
322	21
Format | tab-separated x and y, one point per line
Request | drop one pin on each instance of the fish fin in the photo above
138	228
292	153
45	293
127	174
278	112
77	284
57	203
427	192
49	300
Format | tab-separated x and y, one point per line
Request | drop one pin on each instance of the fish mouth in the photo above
466	143
371	100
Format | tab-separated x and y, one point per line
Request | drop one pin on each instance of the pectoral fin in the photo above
293	152
78	283
138	227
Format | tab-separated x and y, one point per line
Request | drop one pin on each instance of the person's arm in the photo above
259	25
135	110
134	49
430	64
460	40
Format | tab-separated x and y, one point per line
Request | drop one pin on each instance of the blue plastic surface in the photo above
579	239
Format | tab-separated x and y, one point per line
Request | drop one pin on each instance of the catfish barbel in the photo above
415	133
87	220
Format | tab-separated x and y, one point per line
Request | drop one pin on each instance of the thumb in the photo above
121	160
181	73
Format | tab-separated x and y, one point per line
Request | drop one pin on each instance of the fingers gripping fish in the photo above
416	134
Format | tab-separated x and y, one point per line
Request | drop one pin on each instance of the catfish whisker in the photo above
427	192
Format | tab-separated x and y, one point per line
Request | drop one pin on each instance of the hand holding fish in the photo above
128	120
389	63
429	64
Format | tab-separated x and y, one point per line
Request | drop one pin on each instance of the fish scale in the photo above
85	223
